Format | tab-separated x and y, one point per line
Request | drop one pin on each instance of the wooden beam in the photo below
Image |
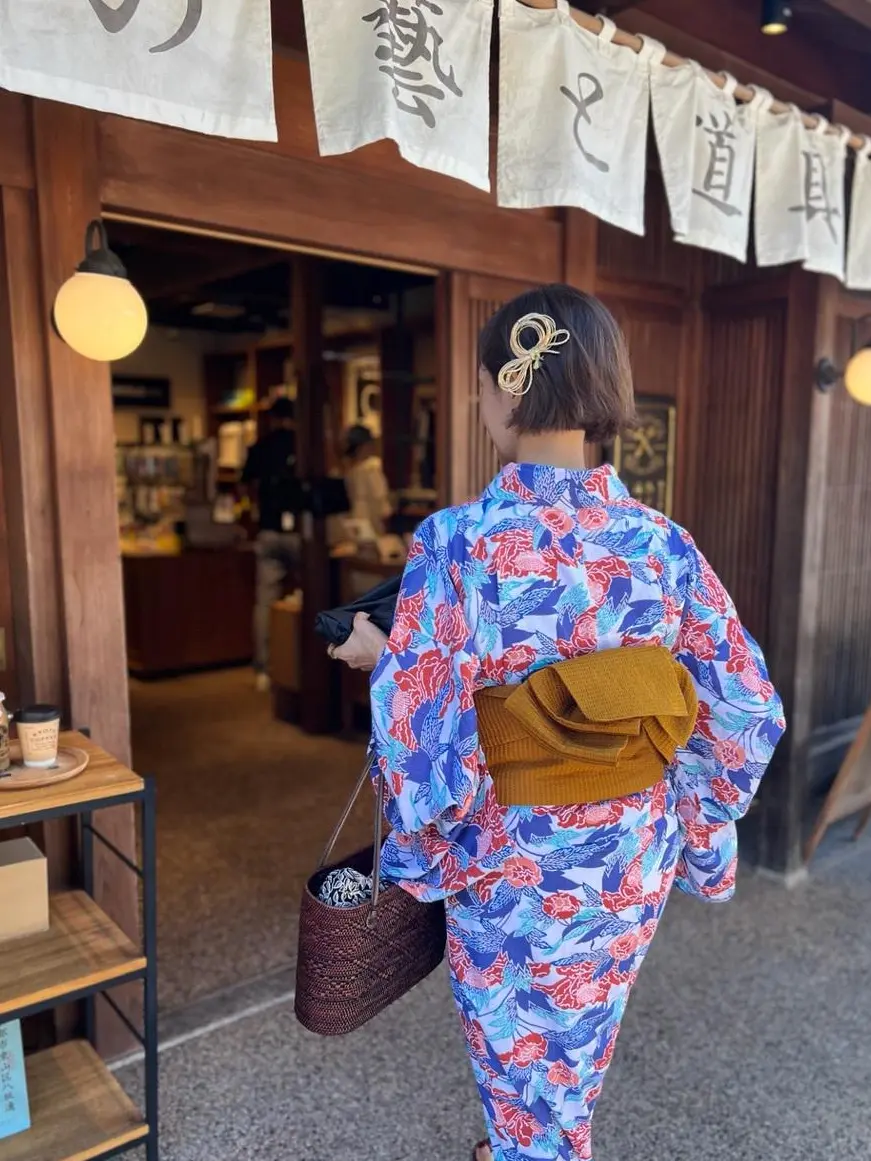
16	156
152	171
168	277
580	249
726	37
856	10
31	511
25	436
83	473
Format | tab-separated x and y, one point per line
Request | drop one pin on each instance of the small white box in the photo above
23	889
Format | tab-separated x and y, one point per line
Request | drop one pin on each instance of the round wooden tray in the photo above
70	762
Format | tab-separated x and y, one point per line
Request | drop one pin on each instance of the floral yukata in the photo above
551	911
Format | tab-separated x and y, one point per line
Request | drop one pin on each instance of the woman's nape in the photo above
559	449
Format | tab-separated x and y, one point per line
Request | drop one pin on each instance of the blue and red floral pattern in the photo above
551	911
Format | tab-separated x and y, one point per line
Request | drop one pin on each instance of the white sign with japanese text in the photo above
859	239
204	67
781	232
706	143
823	201
800	193
414	71
573	115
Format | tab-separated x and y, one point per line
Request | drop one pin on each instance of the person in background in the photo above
268	478
571	719
368	492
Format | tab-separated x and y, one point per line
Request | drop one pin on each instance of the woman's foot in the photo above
482	1152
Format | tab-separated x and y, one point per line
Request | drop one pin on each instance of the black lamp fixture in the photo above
857	373
776	15
97	311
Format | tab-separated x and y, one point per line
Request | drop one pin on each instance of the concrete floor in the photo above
244	806
748	1038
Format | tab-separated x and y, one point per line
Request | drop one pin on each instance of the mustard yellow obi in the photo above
599	726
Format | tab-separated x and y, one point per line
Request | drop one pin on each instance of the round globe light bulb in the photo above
857	376
101	316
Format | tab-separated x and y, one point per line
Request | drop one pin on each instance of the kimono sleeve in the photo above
740	722
424	728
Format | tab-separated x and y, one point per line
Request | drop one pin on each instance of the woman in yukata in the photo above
571	718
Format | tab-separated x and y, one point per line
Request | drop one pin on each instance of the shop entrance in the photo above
246	795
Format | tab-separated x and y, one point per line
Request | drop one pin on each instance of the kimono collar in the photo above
543	484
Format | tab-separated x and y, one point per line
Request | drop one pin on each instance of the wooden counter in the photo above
190	611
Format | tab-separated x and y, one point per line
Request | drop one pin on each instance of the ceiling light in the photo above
776	15
97	311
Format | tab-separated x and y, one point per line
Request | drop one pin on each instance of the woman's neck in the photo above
557	449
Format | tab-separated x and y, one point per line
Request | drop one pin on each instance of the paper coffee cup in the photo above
38	730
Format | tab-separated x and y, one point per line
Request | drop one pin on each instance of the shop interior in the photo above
246	796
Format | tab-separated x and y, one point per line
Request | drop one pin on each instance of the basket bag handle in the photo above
378	830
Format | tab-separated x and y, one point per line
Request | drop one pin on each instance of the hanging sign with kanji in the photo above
573	115
859	239
414	71
800	193
205	67
706	143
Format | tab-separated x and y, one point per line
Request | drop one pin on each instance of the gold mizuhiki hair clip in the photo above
516	375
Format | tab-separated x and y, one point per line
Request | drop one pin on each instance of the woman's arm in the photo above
425	732
739	724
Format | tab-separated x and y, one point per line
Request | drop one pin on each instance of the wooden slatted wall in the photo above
842	663
736	473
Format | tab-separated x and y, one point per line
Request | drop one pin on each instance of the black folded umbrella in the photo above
335	625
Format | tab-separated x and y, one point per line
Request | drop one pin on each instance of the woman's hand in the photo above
363	647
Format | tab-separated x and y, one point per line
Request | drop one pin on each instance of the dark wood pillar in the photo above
91	643
317	706
792	603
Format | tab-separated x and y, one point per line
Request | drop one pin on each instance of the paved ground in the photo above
748	1038
244	805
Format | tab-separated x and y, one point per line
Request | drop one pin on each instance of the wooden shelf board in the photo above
78	1110
105	777
82	948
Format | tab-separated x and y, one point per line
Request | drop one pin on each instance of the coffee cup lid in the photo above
36	714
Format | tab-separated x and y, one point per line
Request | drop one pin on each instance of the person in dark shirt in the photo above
269	477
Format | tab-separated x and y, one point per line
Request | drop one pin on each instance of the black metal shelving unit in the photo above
77	1106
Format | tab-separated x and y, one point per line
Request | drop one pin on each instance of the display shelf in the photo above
82	949
104	778
78	1111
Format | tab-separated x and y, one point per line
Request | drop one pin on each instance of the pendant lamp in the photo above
98	312
776	15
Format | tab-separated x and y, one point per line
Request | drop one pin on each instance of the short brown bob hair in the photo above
586	384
